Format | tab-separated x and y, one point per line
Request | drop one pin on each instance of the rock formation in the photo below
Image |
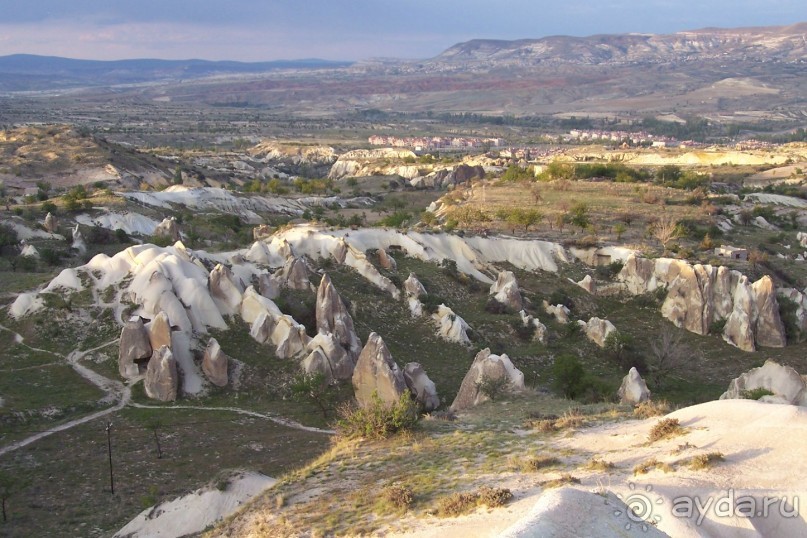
269	286
269	324
78	241
333	317
215	363
328	357
29	251
784	382
597	330
294	274
451	327
633	389
168	228
386	261
377	373
159	331
421	387
261	232
162	378
699	295
225	290
51	224
486	367
413	290
588	284
560	312
134	349
539	333
800	299
505	291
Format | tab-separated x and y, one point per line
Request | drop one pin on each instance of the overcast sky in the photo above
257	30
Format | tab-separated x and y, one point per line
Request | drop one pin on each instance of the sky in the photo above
263	30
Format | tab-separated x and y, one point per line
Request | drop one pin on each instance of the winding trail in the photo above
121	394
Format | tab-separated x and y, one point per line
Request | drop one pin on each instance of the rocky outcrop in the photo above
294	274
29	251
698	295
51	224
784	382
539	328
588	284
159	331
333	317
597	330
134	348
633	389
377	373
78	241
486	367
386	261
328	357
162	377
215	363
421	387
262	231
269	325
560	312
168	229
413	290
505	291
269	286
367	162
451	327
800	300
225	289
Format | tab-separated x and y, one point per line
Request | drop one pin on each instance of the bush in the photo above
493	387
569	376
378	421
651	408
664	429
756	394
458	504
705	461
399	496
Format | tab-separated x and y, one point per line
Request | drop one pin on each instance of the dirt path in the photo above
121	393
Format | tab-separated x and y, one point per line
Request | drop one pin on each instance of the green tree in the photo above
569	376
578	216
313	388
619	229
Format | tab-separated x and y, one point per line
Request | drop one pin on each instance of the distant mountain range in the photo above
30	72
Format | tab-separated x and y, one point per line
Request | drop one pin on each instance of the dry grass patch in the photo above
563	480
665	429
533	464
600	465
461	503
651	408
652	464
705	461
570	419
397	497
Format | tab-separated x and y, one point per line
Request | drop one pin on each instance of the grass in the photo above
599	465
651	408
533	464
650	465
563	480
461	503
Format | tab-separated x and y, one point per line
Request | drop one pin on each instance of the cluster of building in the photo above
753	144
636	138
423	143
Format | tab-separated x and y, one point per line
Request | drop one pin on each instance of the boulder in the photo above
421	387
784	382
451	327
134	349
597	330
339	251
160	331
490	367
215	363
539	333
333	317
162	377
328	357
78	241
168	228
633	389
225	289
386	261
505	291
51	224
29	251
588	284
377	373
560	312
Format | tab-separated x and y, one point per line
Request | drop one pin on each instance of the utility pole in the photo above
109	450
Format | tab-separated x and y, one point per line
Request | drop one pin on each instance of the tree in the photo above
668	354
313	388
666	229
569	376
523	217
578	215
619	229
668	173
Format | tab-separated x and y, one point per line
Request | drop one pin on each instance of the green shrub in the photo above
493	387
378	420
569	375
756	394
